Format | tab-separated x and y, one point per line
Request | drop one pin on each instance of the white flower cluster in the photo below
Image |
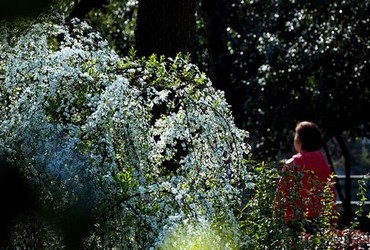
145	143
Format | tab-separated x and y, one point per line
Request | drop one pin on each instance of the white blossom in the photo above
151	146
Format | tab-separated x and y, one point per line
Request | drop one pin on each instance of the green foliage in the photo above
300	60
361	196
257	223
116	23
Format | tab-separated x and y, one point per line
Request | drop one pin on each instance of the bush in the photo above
141	143
263	224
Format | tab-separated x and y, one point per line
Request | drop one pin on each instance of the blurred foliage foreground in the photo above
128	153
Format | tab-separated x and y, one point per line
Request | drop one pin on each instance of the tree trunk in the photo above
165	27
347	213
220	61
337	184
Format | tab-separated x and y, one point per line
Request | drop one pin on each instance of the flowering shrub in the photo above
142	144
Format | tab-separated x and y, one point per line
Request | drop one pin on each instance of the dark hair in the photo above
309	134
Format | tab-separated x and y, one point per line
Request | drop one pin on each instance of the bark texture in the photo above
165	27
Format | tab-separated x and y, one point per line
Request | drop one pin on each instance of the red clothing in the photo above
302	189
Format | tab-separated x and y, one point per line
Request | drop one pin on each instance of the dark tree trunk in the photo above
165	27
347	213
220	61
337	184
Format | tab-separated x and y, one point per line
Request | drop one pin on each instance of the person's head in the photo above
307	137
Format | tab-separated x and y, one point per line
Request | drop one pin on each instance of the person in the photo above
302	192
